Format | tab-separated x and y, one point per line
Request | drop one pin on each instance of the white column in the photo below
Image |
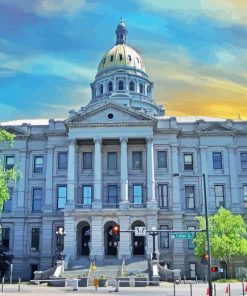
176	201
48	185
97	173
22	179
71	175
150	174
235	206
124	172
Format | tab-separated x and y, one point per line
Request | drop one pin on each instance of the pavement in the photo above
166	289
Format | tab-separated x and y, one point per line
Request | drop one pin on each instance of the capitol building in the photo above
119	160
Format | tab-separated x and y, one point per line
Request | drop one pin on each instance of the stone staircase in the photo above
77	267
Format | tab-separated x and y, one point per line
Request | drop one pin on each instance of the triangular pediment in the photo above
217	127
109	113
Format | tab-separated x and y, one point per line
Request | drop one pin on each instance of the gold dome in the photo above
121	55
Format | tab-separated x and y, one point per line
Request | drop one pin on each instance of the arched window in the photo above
141	88
101	89
149	90
132	86
120	85
109	87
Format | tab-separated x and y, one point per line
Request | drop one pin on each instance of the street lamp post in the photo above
60	243
210	286
153	233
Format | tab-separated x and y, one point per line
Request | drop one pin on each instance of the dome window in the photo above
132	86
101	89
120	57
138	60
120	85
141	88
109	87
104	61
129	57
111	58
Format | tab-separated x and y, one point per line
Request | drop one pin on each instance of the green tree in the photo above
228	237
6	175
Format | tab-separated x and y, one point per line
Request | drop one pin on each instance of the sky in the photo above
194	51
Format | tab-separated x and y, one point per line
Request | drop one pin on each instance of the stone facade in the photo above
119	161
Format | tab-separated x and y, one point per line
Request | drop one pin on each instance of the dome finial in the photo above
121	32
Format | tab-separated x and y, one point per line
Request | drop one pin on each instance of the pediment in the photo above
15	131
110	113
217	127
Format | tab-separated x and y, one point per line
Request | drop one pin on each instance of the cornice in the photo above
120	124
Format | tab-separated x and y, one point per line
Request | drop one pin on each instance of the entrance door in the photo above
34	267
85	240
111	244
138	245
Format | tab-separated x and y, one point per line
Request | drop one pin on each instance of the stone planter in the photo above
83	282
140	281
56	281
103	282
125	283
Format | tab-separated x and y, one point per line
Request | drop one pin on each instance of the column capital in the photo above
174	145
50	147
97	140
72	141
203	147
123	140
150	140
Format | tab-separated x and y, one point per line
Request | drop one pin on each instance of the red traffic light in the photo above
115	229
214	268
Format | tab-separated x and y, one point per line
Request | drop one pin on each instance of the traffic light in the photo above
115	232
214	269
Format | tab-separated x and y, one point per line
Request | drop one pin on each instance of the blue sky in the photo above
195	52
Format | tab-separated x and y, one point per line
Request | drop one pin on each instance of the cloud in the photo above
8	112
229	11
51	7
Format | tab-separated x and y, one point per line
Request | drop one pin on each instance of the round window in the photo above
110	116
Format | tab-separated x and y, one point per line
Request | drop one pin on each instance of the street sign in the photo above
140	231
182	235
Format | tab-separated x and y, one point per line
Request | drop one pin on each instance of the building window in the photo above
217	160
191	245
87	194
62	160
4	238
162	159
35	239
129	58
101	89
141	88
245	195
164	237
7	207
190	197
188	162
132	86
9	162
243	158
120	85
137	194
111	58
219	196
112	194
87	160
110	86
163	195
137	160
38	164
37	199
61	196
120	57
112	160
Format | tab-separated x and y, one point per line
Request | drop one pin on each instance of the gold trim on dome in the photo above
130	58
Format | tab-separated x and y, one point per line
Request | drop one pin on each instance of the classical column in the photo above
150	174
97	173
71	175
235	206
48	184
22	179
124	172
176	204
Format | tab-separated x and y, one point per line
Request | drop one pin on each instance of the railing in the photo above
138	206
110	206
82	206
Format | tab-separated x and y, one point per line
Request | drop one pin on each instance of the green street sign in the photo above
182	235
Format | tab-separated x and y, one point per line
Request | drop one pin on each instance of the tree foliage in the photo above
228	236
6	175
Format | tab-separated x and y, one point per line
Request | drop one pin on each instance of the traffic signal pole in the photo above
210	286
